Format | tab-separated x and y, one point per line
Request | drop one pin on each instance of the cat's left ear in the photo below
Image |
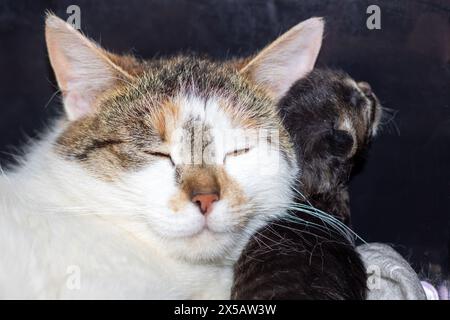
288	59
83	70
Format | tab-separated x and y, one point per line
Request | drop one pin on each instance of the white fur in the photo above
121	235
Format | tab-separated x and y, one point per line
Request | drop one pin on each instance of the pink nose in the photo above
205	201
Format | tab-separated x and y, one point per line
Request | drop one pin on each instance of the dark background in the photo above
401	197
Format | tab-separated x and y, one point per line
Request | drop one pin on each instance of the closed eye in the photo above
237	152
160	155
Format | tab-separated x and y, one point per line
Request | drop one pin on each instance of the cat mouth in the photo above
208	230
204	230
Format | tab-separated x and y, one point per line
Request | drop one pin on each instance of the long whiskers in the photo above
328	220
388	119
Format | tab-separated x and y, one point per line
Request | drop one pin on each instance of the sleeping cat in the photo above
135	192
332	120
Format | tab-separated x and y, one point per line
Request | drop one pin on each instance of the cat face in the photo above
204	166
198	146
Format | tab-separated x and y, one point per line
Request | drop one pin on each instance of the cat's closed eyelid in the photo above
237	152
160	154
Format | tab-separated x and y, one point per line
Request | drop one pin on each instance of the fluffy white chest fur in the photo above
43	258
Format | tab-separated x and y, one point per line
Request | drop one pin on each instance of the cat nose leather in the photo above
205	201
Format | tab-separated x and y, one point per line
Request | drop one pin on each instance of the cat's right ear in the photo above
83	70
288	59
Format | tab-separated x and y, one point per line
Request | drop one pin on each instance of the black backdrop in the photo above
401	197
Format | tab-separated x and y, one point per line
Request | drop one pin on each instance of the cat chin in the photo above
205	246
210	246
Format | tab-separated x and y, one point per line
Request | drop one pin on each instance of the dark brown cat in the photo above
310	256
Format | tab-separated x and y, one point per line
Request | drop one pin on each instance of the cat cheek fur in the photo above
153	188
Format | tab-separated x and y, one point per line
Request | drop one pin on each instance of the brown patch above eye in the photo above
164	119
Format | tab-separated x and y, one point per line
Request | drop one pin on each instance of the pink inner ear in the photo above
76	105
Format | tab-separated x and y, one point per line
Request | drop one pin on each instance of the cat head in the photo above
192	149
333	119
